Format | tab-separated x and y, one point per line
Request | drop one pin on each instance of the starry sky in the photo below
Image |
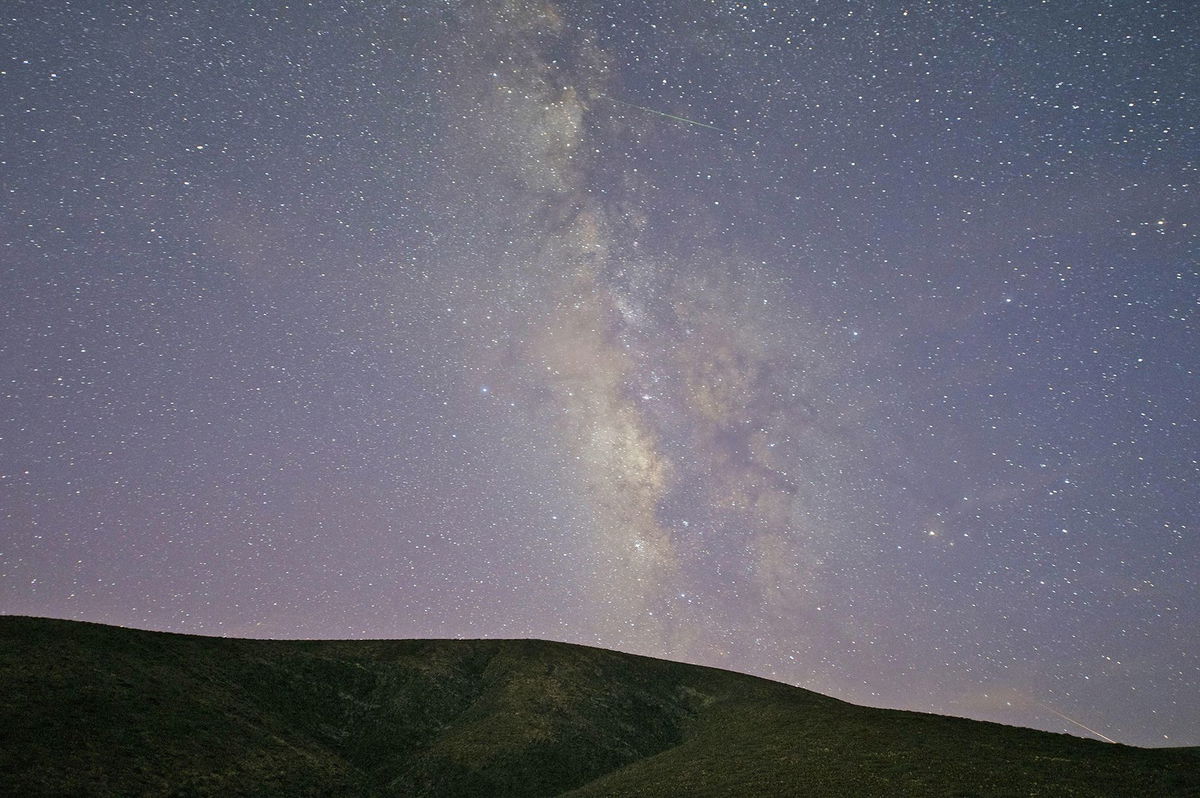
851	344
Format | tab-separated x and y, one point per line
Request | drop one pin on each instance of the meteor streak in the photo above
1071	720
669	116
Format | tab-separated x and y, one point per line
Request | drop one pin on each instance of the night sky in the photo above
851	344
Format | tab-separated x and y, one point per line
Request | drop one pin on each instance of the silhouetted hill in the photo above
99	710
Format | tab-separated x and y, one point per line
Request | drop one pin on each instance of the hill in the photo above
88	709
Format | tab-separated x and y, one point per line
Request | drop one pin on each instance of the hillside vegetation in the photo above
87	709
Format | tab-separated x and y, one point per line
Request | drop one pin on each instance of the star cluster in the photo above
849	344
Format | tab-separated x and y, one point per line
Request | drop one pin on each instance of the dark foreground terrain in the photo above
99	710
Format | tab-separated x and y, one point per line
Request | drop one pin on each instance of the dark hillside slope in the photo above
96	710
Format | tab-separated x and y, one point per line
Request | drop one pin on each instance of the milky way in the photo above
851	345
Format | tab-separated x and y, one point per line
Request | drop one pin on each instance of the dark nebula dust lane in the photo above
847	344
